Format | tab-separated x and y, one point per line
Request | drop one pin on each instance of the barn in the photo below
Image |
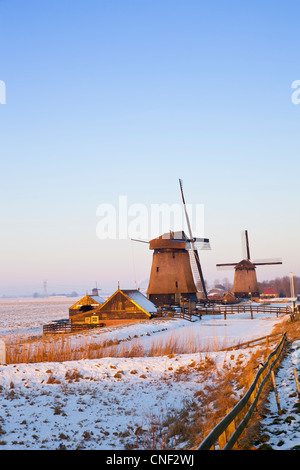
86	304
229	298
123	305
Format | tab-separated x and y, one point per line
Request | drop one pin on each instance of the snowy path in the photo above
283	431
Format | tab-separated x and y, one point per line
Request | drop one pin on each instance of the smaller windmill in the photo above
245	282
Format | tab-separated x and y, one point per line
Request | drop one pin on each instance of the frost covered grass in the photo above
121	403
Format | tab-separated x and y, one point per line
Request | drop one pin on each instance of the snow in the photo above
98	299
283	429
99	403
141	300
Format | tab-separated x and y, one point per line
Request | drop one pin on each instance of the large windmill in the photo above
245	281
176	274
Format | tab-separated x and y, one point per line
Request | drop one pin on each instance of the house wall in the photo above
119	307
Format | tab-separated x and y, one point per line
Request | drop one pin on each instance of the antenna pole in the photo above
292	285
292	291
192	241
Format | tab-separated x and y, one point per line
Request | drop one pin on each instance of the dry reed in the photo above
71	348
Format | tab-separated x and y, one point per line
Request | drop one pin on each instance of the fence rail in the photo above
253	342
192	314
227	431
245	308
66	326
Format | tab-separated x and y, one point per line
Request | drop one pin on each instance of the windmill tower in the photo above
171	277
176	274
245	282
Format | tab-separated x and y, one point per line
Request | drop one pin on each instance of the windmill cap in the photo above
245	264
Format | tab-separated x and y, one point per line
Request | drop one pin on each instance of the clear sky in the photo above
109	98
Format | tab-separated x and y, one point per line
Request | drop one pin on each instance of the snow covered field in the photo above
101	403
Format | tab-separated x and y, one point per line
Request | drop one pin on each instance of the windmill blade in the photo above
261	262
226	264
196	276
136	240
192	242
186	214
199	244
222	267
245	244
202	244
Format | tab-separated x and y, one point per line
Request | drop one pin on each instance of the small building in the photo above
86	304
215	294
229	298
121	306
269	293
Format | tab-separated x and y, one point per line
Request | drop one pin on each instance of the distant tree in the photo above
227	284
281	285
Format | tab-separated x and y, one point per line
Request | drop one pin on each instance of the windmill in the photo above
176	274
245	282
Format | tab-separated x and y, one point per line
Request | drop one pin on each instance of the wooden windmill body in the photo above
171	278
245	281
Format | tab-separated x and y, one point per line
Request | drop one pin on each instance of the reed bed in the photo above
71	348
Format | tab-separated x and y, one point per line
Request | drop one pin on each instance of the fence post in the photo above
297	383
276	393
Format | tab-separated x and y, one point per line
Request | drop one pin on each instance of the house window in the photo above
176	283
94	319
173	254
157	269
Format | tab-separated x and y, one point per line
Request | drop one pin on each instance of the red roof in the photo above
270	291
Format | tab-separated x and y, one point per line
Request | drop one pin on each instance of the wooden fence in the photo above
244	308
227	431
192	315
254	342
66	326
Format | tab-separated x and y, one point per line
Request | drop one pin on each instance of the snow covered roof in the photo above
98	299
93	300
140	299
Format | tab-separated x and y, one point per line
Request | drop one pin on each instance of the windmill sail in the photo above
262	262
196	275
193	247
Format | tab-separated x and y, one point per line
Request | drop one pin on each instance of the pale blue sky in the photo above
123	97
